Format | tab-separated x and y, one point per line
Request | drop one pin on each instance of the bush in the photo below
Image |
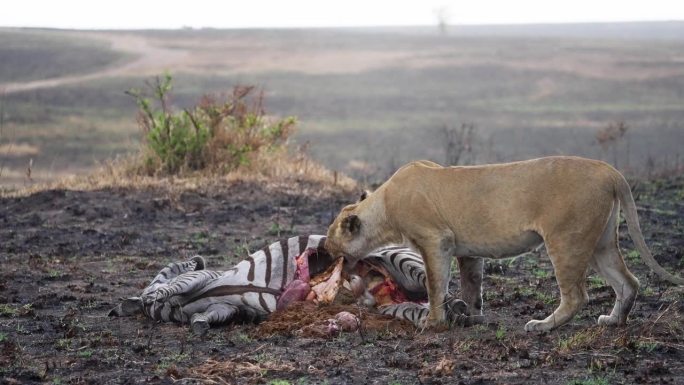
217	136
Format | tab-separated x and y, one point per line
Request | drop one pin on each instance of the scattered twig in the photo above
183	343
149	339
594	354
185	380
650	329
362	332
239	356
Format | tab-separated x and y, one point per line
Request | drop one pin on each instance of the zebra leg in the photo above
416	313
173	270
457	312
215	314
127	307
471	269
183	284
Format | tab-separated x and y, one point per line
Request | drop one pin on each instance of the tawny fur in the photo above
570	204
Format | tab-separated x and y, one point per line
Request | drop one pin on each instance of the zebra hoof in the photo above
128	306
200	327
199	262
116	312
456	306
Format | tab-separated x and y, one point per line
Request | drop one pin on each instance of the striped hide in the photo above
405	266
407	269
185	292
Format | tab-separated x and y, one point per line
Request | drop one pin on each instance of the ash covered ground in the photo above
69	256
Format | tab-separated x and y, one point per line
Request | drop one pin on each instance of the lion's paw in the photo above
607	320
437	325
536	326
433	324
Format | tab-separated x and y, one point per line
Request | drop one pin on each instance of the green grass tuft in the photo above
214	136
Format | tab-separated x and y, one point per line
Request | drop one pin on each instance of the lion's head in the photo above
353	234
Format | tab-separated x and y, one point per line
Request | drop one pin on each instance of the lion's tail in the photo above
627	200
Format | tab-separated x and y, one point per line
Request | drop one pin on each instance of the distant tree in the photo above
458	144
442	15
650	166
609	137
2	123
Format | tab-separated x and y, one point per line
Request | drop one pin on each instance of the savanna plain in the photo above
82	226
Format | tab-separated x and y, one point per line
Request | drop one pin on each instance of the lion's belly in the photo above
499	248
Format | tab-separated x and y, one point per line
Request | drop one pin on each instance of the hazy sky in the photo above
321	13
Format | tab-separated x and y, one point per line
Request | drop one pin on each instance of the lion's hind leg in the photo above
571	270
611	267
608	262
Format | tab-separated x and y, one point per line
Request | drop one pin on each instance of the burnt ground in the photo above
68	256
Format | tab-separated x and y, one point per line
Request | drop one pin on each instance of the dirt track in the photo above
69	256
147	59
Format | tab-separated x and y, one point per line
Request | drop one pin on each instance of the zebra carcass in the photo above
391	279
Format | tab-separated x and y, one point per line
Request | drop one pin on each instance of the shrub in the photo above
216	135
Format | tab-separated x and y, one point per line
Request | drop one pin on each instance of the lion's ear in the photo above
352	224
364	195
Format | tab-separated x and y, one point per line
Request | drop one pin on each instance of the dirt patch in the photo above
69	256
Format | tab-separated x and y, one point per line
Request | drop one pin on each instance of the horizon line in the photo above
434	25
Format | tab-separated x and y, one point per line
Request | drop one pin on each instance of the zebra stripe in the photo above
250	273
285	264
267	253
405	266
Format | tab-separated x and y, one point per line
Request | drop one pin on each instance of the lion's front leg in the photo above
437	269
471	269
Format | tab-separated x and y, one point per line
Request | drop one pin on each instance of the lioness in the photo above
570	204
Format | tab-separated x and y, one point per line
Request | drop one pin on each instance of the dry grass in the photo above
18	149
444	367
666	325
582	340
270	168
227	372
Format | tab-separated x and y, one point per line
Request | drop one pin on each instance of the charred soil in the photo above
69	256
